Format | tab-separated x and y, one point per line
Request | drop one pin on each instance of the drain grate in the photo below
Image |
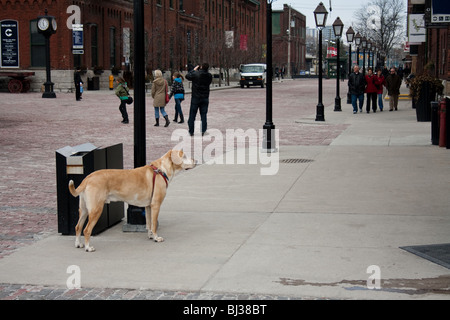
296	161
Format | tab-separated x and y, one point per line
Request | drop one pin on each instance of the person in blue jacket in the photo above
177	91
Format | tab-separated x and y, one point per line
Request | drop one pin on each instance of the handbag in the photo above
130	100
167	94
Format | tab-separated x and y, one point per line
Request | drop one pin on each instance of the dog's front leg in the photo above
148	221
154	223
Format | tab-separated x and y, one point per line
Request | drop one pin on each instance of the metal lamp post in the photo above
358	43
338	27
135	215
320	15
269	127
376	57
369	47
364	46
350	36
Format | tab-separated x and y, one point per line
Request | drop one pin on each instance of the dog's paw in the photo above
159	239
79	245
90	249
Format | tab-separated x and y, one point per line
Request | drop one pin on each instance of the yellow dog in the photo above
142	187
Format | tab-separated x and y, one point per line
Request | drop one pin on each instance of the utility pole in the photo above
289	44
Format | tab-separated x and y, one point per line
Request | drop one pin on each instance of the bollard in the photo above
442	125
435	123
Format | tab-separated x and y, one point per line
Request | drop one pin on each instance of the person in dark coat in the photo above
201	80
77	80
393	83
357	85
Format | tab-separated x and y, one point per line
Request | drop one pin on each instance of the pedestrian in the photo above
385	72
371	91
78	83
393	83
177	91
201	80
124	96
159	93
380	82
357	85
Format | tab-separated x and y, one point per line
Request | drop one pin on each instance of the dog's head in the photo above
180	161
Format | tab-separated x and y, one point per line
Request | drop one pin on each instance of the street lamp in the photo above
350	36
358	43
364	46
269	128
338	27
47	27
369	47
320	15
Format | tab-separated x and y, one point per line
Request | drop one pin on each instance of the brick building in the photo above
434	47
177	32
289	36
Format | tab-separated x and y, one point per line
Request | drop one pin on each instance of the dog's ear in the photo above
176	157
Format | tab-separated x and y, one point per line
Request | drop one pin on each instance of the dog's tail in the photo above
73	191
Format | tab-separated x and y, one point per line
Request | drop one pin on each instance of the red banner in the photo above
243	42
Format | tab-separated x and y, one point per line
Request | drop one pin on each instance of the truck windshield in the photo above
252	69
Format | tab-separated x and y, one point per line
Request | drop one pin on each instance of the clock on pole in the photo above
47	26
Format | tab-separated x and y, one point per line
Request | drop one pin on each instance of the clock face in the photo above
43	24
54	24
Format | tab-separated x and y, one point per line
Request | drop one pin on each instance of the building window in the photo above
94	46
112	47
37	46
181	6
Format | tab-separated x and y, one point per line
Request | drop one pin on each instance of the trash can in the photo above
94	83
76	163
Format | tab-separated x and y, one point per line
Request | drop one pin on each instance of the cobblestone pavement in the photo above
32	128
33	292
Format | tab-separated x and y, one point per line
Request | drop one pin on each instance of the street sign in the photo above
9	46
77	39
440	11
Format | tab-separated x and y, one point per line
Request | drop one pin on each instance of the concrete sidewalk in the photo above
310	231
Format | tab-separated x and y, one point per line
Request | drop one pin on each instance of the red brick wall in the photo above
166	29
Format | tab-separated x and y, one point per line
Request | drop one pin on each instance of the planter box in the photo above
423	105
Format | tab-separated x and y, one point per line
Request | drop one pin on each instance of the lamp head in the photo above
320	15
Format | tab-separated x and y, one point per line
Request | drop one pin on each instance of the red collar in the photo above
160	172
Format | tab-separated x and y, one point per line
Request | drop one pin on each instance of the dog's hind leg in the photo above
94	215
83	213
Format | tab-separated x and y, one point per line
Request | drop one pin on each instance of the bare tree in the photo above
383	22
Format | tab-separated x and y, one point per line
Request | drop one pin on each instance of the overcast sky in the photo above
345	9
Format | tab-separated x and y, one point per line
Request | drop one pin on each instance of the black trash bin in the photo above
75	163
94	83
